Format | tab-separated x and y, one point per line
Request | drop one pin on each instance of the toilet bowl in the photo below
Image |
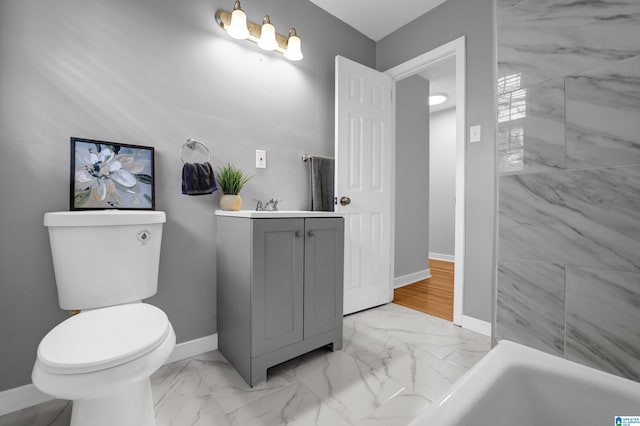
102	360
105	263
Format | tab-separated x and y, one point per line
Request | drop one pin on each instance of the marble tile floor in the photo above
395	363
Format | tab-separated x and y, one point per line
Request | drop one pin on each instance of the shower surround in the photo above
569	185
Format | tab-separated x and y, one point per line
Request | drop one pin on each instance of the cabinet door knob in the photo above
298	234
311	233
345	201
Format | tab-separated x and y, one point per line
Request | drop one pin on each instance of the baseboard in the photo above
444	257
411	278
474	324
28	395
21	397
193	347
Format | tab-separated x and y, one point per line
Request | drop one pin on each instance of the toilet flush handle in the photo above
143	236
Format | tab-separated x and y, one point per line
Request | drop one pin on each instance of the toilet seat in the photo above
103	338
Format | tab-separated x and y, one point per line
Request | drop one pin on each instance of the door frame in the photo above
406	69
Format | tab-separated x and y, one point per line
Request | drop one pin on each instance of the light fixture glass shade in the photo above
267	35
437	99
238	26
294	47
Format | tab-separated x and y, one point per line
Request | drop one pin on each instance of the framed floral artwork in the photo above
110	175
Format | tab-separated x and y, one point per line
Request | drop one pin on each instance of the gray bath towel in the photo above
321	179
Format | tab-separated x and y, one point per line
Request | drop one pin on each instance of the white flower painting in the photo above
107	175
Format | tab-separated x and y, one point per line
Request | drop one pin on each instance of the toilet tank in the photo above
106	257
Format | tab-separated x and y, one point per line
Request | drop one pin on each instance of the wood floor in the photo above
433	296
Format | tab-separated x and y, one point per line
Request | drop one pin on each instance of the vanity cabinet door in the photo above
323	275
277	284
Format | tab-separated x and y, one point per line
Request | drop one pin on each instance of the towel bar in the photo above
306	157
191	144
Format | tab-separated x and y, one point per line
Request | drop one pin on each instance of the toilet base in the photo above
132	405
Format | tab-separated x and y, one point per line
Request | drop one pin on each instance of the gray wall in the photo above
149	72
569	235
412	176
442	182
475	19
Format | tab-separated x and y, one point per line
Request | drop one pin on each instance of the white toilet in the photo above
105	263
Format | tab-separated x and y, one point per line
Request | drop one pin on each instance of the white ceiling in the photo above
375	18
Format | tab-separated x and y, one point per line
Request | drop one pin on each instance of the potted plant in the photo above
231	180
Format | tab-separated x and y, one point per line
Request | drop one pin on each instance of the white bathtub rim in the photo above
466	391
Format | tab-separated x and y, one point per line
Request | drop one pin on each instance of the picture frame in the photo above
111	175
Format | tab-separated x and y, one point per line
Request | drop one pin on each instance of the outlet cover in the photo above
475	134
261	159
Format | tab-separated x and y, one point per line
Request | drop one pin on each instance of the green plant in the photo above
231	179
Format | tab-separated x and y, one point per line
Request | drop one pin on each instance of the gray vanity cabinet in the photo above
279	289
323	275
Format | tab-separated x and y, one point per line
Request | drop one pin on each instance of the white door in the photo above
364	156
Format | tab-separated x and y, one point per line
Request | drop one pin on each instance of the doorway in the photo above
433	295
452	51
416	118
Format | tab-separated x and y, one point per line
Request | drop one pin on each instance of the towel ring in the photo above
191	144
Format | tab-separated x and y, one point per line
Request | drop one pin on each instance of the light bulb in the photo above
294	47
238	26
267	35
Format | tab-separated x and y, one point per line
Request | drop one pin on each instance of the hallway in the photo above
433	296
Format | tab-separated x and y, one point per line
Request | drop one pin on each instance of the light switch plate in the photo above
475	133
261	159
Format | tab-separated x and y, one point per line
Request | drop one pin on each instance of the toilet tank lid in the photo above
103	218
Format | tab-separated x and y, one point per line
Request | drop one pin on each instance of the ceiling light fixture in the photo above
235	23
437	99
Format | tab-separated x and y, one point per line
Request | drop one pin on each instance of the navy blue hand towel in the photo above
198	179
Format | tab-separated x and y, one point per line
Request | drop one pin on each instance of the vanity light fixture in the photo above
238	23
235	23
294	46
437	99
267	39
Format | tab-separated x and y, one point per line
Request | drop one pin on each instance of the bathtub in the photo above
517	385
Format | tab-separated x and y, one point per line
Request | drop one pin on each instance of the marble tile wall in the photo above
531	303
538	135
602	115
545	39
602	319
569	186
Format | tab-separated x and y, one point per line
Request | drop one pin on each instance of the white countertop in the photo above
278	214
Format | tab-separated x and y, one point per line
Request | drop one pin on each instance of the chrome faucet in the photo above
271	205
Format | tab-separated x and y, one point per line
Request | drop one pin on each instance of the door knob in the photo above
345	201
